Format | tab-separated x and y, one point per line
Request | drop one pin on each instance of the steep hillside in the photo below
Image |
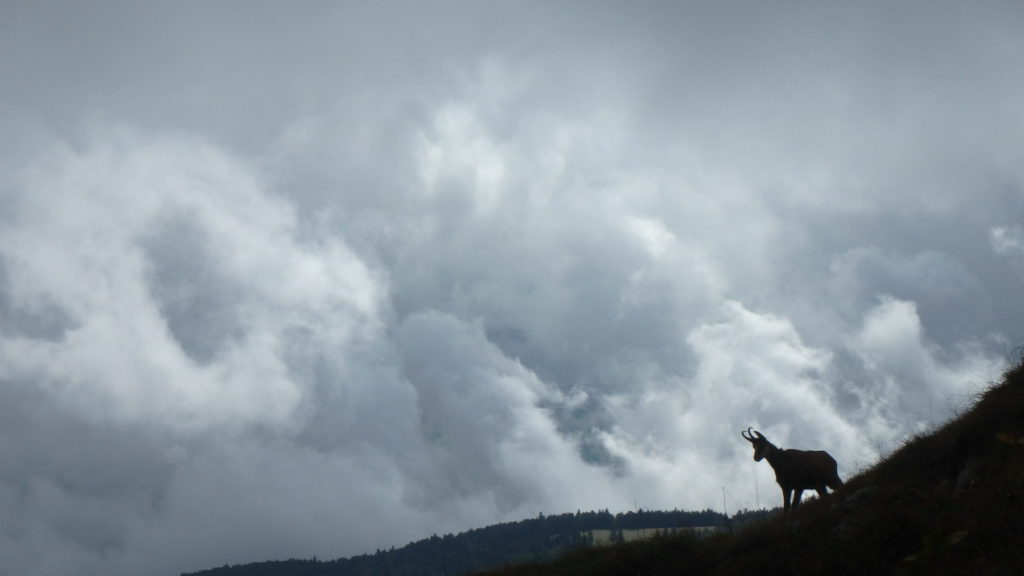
951	502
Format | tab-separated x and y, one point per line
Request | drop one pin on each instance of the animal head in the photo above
759	442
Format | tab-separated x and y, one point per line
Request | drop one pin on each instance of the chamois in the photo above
796	470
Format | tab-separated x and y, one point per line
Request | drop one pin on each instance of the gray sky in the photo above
292	279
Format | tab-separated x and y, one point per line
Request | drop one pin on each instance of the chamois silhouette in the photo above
796	470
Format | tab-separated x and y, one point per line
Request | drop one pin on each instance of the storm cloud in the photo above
283	281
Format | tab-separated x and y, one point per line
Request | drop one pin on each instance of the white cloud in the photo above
911	385
1007	240
654	236
461	155
181	279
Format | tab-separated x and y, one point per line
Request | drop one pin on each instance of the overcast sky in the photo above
292	279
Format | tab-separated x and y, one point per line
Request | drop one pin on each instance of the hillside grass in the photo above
947	503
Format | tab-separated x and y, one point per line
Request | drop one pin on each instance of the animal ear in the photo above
759	435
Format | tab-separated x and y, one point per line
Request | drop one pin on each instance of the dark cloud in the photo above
198	304
267	272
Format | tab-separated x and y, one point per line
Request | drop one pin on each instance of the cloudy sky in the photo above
292	279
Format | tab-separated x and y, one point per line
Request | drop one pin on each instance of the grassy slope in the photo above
951	502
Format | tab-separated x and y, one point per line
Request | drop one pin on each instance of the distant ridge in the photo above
538	539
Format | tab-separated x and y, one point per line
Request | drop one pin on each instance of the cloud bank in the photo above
283	283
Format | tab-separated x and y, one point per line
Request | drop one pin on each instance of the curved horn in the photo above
746	434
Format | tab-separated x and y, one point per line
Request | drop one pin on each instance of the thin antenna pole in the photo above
757	491
725	513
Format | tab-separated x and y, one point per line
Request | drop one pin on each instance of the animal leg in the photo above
785	499
796	497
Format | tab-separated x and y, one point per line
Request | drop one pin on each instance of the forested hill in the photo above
537	539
